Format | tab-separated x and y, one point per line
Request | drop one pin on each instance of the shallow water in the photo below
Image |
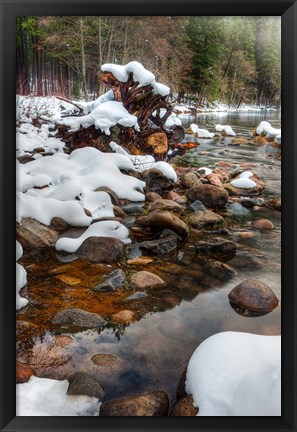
172	320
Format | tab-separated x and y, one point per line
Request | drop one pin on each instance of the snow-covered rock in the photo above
99	229
48	397
236	374
266	129
225	128
202	133
243	183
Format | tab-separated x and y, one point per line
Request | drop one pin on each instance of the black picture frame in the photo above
287	9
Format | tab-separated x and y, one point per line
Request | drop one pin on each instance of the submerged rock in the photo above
145	279
184	407
80	383
113	281
219	270
124	316
263	224
34	235
104	360
101	249
79	318
155	403
206	219
209	195
253	295
216	245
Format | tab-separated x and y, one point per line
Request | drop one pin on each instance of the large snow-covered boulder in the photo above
236	374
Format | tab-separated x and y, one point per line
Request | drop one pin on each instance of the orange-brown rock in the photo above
159	142
184	407
259	140
124	316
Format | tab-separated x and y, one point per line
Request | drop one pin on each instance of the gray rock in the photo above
133	208
197	206
113	281
137	296
162	246
78	318
155	403
81	383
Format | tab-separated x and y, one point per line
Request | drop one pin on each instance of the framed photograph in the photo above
155	215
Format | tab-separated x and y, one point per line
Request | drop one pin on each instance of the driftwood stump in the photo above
153	136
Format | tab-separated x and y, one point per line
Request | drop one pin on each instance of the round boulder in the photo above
101	249
145	279
253	295
80	383
209	195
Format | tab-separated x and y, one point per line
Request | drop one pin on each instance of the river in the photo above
153	352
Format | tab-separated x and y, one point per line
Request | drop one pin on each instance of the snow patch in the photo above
243	183
48	397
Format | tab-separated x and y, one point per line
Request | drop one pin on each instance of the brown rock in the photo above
159	220
209	195
184	408
259	140
253	295
155	403
124	316
165	204
159	143
180	199
205	219
216	245
237	141
59	224
181	388
155	181
23	372
33	235
105	360
214	179
119	212
275	203
152	196
101	249
263	224
145	279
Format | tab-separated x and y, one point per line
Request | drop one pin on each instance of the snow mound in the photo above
243	183
225	128
48	397
99	229
246	174
29	137
103	117
143	163
28	108
236	374
140	75
266	129
202	133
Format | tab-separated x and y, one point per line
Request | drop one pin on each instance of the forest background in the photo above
231	60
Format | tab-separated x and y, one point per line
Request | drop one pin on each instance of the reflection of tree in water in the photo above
117	329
